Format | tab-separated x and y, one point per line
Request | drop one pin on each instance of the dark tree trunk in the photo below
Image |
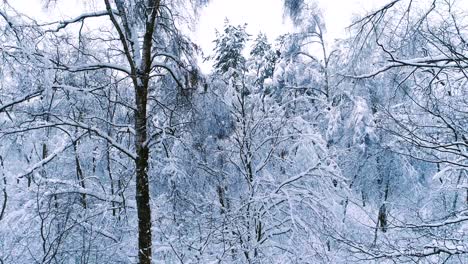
142	184
4	190
140	71
79	174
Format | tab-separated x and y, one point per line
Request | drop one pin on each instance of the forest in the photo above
115	147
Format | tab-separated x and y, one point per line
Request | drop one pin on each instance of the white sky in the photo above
267	16
261	16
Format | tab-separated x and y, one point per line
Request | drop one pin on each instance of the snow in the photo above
273	157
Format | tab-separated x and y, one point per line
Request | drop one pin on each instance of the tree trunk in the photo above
140	77
142	184
4	189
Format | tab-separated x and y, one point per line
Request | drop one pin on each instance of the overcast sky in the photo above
261	16
267	16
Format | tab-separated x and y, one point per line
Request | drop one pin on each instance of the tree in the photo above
146	48
417	53
294	151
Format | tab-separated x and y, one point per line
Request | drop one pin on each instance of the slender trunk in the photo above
79	174
383	185
383	214
109	171
140	79
455	199
110	116
142	184
4	190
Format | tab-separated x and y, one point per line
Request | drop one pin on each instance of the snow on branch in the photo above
103	135
440	62
93	66
64	23
49	158
458	218
20	100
